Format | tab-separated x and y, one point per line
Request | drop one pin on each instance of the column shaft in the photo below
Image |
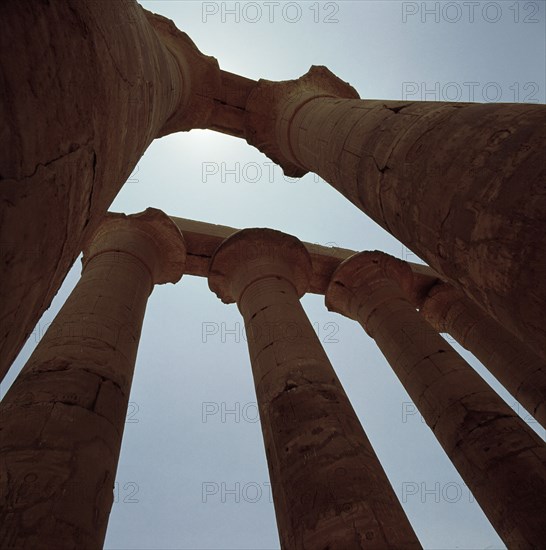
498	456
447	180
61	422
86	91
515	366
329	488
460	184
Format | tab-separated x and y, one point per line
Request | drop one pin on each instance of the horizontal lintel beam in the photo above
202	239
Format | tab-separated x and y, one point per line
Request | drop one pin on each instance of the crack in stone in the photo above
74	148
208	256
490	421
259	311
92	191
396	110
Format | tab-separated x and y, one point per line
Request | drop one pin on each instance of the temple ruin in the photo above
485	283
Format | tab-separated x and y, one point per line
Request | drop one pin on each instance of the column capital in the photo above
252	254
272	105
437	303
365	273
197	84
151	236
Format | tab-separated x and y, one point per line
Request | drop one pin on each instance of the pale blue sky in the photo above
173	458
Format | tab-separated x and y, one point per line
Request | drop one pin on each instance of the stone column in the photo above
86	90
515	366
61	423
460	184
329	488
498	456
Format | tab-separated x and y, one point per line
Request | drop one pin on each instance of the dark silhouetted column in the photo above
498	456
86	87
329	488
61	422
515	366
460	184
